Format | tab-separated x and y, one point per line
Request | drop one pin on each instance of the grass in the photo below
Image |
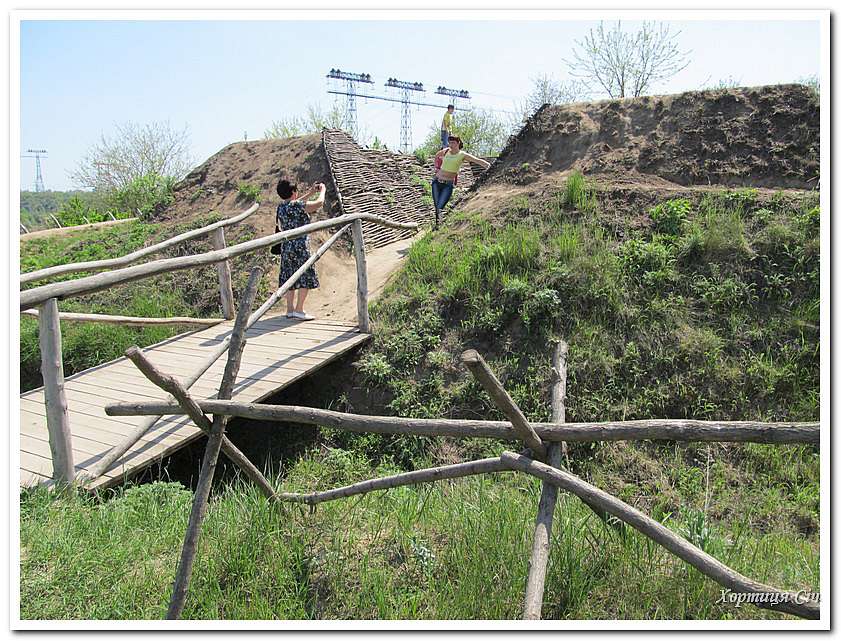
453	550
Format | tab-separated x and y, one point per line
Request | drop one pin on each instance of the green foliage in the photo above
249	193
481	131
145	195
669	216
76	212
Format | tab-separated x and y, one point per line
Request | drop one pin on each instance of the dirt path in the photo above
336	297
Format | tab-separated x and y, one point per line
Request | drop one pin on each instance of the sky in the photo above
227	80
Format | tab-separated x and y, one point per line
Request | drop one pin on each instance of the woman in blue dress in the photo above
292	212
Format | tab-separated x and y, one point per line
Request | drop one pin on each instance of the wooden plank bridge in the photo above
278	353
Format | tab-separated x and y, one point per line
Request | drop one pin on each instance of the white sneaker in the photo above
290	314
302	316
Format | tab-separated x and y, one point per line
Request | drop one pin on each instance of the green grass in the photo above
451	550
718	320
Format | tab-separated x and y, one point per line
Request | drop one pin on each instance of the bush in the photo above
669	216
248	192
145	196
76	212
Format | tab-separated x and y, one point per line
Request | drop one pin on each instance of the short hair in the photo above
458	140
451	106
285	189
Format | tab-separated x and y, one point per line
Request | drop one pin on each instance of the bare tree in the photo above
813	82
547	90
132	152
626	64
315	120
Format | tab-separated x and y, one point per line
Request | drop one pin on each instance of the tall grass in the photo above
454	550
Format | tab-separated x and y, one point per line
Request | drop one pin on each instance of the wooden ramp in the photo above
279	352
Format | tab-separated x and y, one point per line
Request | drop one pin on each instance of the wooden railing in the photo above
45	298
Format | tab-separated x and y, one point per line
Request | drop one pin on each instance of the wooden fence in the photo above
545	445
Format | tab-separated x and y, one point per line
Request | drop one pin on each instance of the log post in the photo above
52	369
361	278
480	370
211	452
188	403
548	494
226	291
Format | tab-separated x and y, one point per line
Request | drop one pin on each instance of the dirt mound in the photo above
215	184
759	137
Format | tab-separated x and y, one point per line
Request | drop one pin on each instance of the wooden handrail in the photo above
131	320
96	282
99	265
655	429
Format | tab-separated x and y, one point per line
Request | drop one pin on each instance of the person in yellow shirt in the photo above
448	161
447	126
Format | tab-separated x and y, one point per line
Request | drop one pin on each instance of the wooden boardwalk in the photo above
279	352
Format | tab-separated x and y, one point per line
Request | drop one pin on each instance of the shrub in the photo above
145	196
248	192
76	212
669	216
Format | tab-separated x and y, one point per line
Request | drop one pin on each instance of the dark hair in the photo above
458	140
285	189
451	106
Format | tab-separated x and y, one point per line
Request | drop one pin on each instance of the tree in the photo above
132	152
813	82
547	90
482	133
625	64
315	120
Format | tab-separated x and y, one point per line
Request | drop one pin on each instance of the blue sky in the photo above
225	78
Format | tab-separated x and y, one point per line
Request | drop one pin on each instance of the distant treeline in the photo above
36	206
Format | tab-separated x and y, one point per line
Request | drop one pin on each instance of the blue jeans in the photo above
441	193
445	138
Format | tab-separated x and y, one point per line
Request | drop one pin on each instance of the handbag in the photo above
275	249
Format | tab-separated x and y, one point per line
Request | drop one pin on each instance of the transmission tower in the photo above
455	94
351	80
405	112
403	96
39	178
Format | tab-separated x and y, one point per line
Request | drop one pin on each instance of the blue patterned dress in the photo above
295	252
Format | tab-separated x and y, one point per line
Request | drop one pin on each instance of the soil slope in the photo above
757	136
